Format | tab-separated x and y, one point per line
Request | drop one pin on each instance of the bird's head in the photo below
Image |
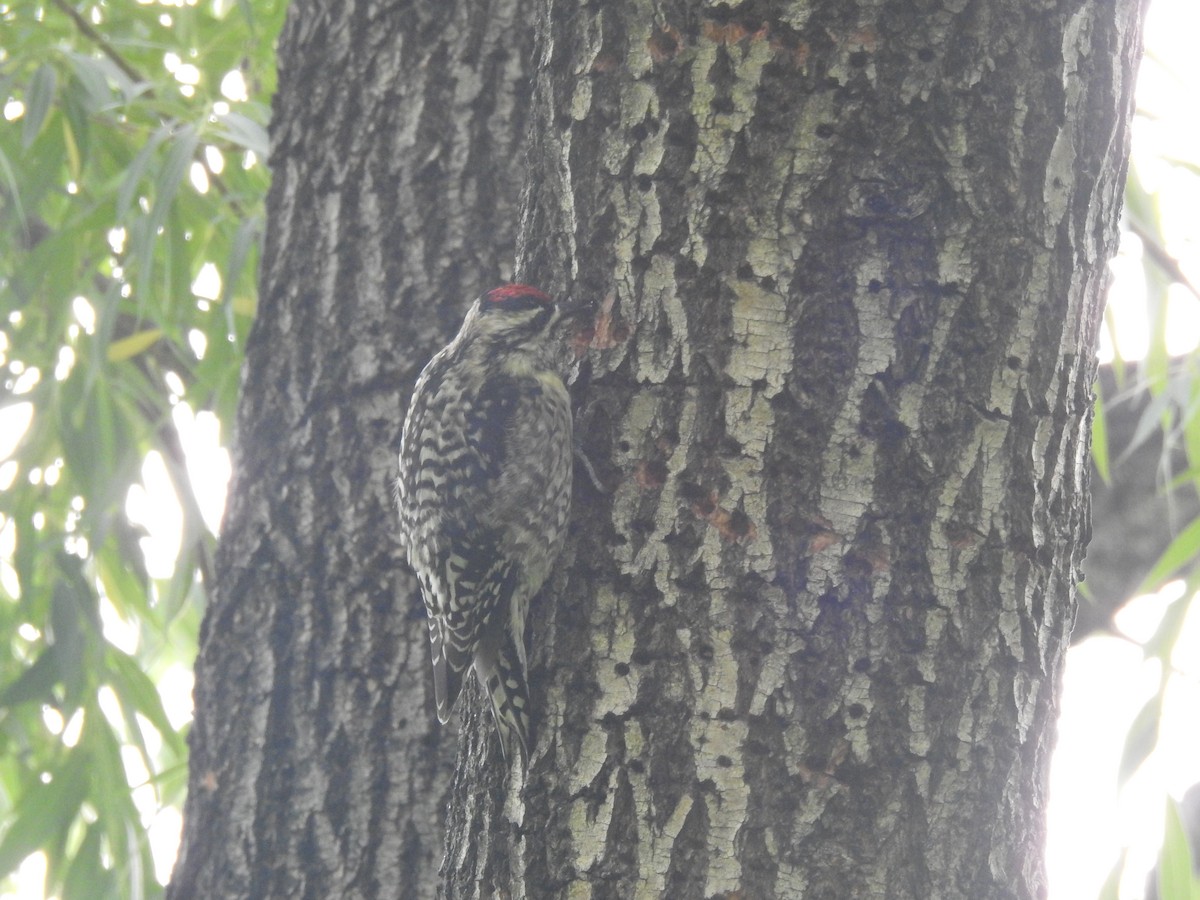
513	315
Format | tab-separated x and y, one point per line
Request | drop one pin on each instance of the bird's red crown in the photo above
507	292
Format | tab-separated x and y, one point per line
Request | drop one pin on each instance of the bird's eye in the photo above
524	301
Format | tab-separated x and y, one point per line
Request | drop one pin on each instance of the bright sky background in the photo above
1107	679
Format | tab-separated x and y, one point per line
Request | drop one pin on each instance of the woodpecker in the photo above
484	494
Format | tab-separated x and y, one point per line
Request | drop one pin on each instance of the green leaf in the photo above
1141	738
93	78
38	99
1100	440
137	169
12	189
35	683
166	185
127	347
1182	550
247	11
179	587
246	133
1191	427
43	811
119	138
121	569
68	639
245	239
1187	164
1110	890
86	877
1176	869
134	688
179	159
1166	635
135	864
114	805
1149	423
75	141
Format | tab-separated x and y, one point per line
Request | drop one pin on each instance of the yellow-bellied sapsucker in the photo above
484	494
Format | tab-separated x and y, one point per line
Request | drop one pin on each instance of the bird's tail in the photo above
506	687
447	671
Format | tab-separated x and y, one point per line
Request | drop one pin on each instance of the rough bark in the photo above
318	768
849	262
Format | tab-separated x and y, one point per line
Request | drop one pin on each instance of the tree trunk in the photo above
805	641
318	768
849	265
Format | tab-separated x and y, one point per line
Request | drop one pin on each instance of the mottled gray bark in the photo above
318	767
848	260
